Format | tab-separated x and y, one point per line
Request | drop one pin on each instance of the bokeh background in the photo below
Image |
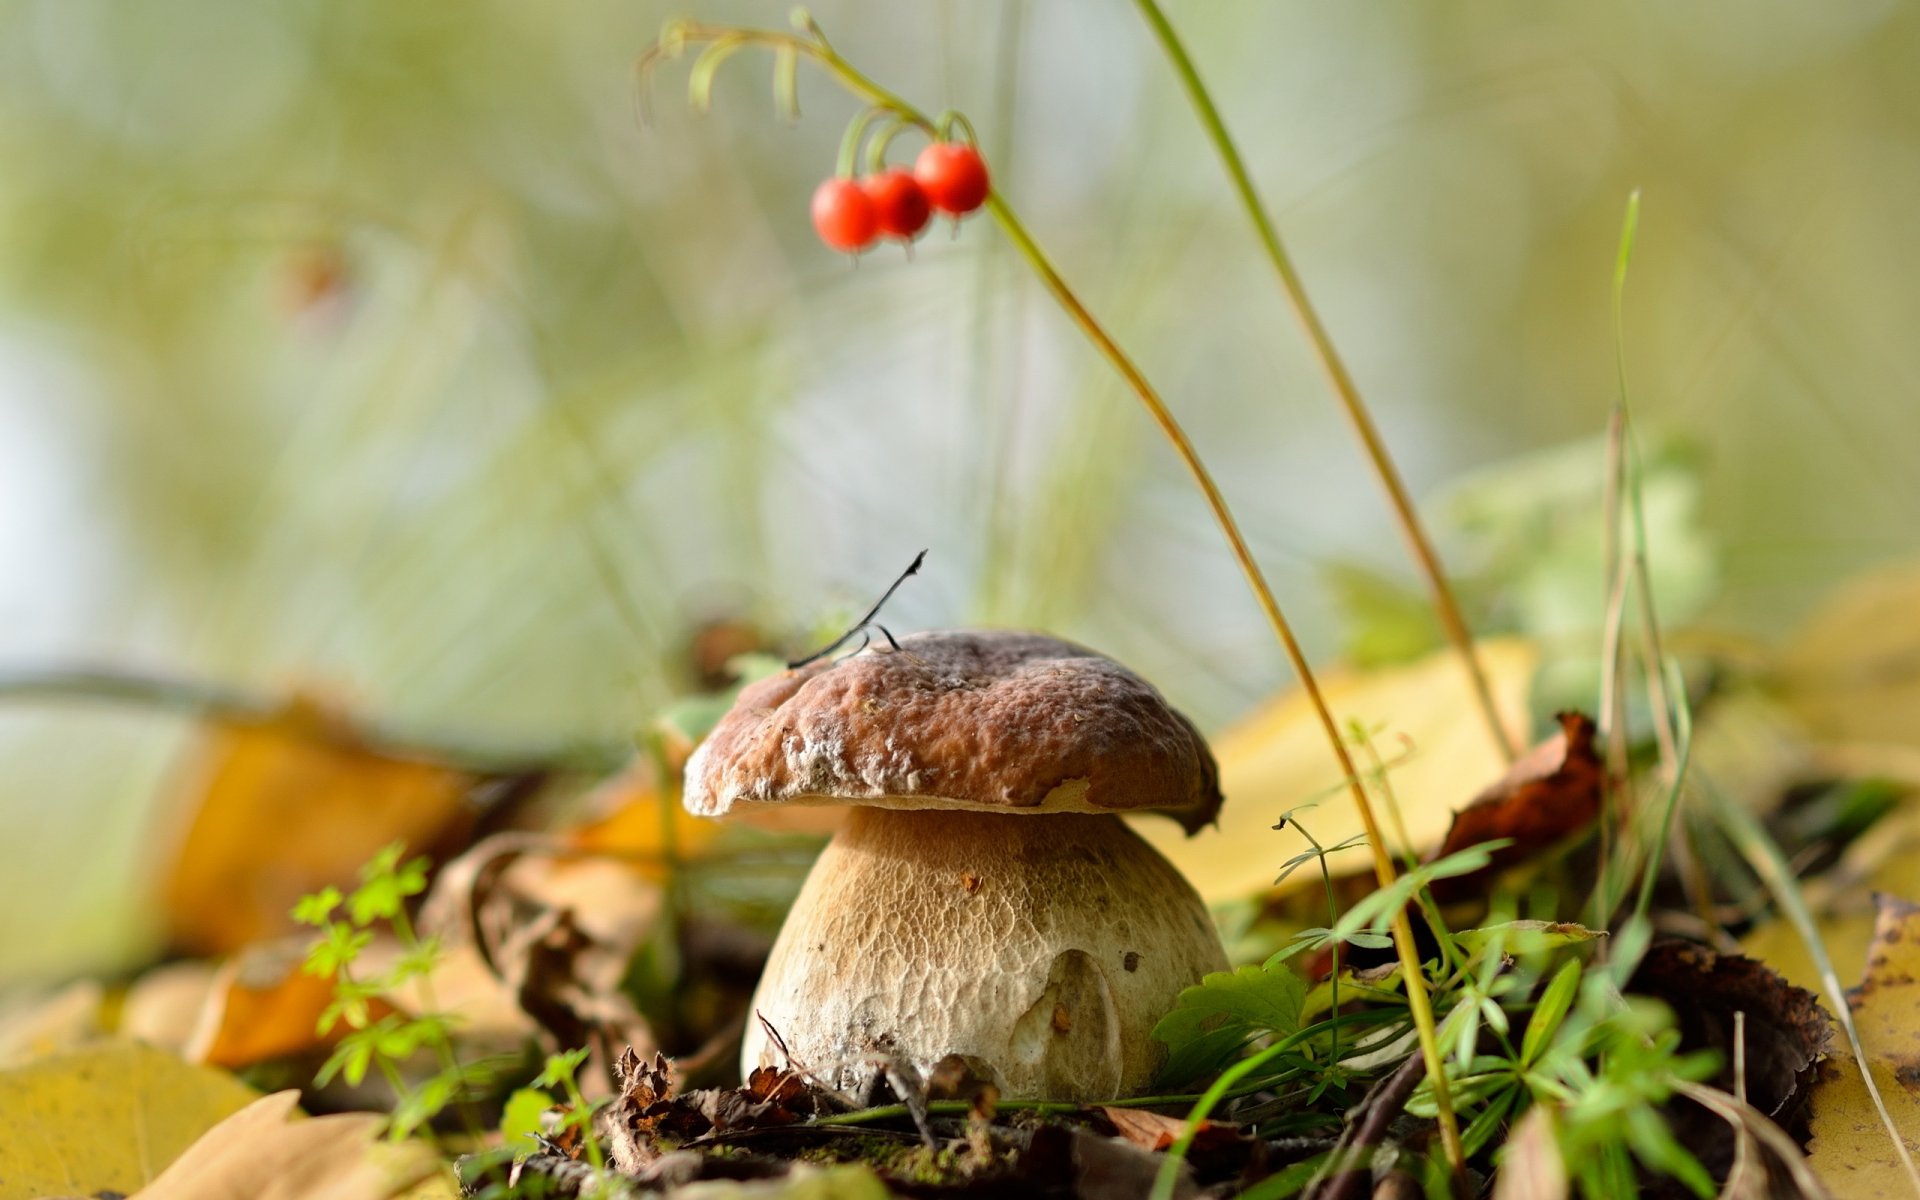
381	349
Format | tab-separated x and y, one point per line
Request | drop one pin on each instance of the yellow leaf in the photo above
262	1006
1852	672
634	818
1886	858
283	807
108	1118
1851	1149
261	1154
1277	758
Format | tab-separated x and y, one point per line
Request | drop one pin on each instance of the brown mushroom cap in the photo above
982	720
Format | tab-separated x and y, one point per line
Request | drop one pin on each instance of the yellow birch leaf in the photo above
1852	672
1277	758
1851	1149
104	1119
283	807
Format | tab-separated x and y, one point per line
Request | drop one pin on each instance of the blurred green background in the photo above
381	348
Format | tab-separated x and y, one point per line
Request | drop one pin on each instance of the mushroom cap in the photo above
988	720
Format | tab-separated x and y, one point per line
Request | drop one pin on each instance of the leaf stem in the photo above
1338	378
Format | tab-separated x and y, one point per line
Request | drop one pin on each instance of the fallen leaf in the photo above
1787	1033
648	1116
266	1151
164	1005
105	1119
1852	672
1851	1149
38	1025
1885	858
556	929
262	1006
634	818
1551	793
1157	1131
1751	746
282	807
1277	759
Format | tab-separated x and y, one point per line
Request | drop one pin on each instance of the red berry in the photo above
901	204
953	175
843	216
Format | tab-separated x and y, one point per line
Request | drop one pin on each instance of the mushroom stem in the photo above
1040	949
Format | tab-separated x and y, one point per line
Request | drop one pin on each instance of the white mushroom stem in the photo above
1041	948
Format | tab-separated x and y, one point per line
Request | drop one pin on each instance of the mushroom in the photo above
983	899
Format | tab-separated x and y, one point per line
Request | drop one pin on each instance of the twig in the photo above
1383	1104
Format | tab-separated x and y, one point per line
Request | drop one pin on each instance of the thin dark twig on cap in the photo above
865	622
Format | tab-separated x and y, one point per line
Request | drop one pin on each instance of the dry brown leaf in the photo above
1851	1149
164	1006
1720	1001
1551	793
1277	758
267	1152
283	807
555	929
1157	1131
104	1119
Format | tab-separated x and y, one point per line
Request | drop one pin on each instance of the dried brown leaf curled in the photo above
1549	795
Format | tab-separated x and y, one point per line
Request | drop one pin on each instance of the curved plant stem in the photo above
817	48
1417	1000
1338	378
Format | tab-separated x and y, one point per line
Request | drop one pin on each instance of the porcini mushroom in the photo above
983	899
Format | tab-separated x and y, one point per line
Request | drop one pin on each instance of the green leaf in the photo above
417	961
1523	939
1550	1011
520	1120
1476	1135
1214	1018
387	882
561	1068
1376	910
317	909
336	951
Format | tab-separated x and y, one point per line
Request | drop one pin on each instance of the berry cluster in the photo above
851	214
